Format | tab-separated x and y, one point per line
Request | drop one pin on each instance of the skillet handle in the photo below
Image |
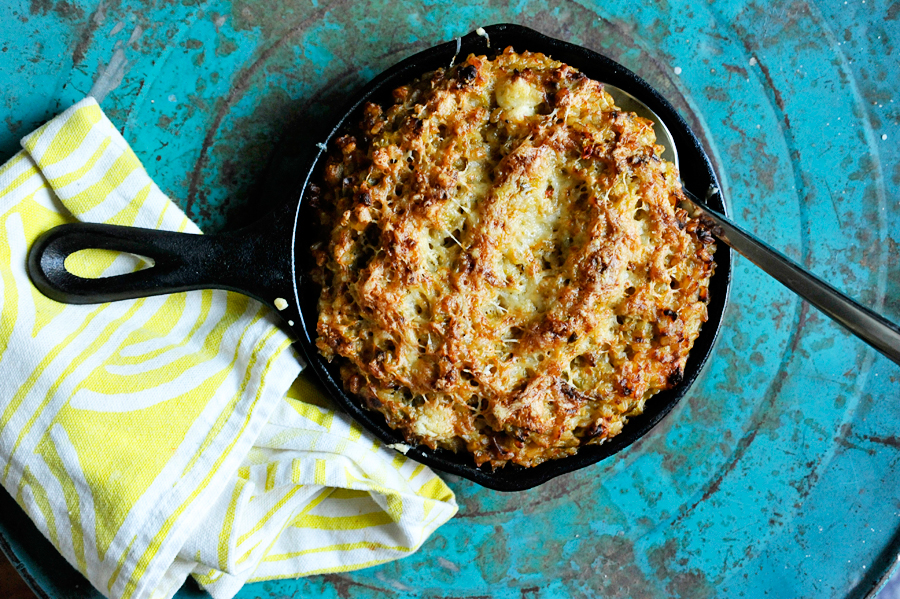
248	261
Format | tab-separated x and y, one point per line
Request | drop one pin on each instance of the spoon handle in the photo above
878	332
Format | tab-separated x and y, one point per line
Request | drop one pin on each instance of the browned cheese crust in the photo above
508	271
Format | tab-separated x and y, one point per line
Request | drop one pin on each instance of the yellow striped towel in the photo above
157	438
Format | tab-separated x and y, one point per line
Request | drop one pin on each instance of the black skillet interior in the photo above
697	174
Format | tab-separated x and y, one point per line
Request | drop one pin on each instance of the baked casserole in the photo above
506	268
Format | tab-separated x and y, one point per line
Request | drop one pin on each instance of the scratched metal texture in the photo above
779	473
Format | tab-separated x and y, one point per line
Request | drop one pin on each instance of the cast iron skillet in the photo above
270	259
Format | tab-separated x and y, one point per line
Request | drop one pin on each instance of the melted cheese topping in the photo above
507	271
519	98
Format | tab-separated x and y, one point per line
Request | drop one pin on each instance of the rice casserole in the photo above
505	267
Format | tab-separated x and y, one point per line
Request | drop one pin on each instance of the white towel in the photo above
157	438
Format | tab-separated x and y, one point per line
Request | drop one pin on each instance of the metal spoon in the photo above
875	330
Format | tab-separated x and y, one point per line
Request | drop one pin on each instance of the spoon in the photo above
872	328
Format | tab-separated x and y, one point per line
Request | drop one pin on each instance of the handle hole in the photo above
99	264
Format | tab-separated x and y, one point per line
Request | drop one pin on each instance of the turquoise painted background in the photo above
778	475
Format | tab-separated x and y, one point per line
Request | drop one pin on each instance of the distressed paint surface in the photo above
779	473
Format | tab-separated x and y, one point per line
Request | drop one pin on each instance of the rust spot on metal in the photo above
731	68
620	569
681	583
87	35
63	9
891	441
343	584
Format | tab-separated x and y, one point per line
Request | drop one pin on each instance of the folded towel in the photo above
157	438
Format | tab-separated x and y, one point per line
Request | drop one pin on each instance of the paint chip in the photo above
447	564
678	70
883	136
752	61
281	303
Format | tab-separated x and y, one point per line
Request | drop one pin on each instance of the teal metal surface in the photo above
778	475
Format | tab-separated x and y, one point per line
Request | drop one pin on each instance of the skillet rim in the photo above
697	177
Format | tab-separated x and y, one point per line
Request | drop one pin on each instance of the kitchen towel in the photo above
158	438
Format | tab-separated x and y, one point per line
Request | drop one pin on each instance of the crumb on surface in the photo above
401	447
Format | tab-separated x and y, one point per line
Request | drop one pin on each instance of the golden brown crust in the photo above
508	270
